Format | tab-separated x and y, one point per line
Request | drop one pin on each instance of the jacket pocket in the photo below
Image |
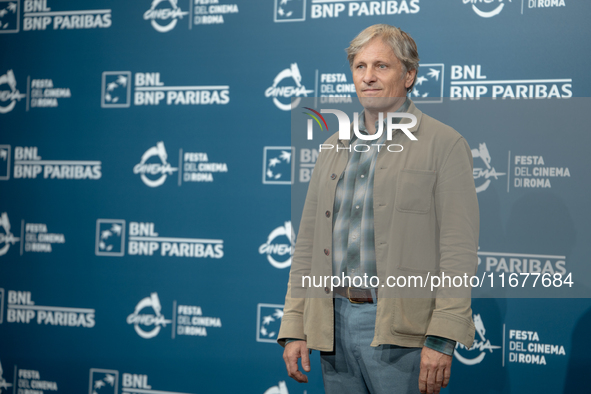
412	316
414	190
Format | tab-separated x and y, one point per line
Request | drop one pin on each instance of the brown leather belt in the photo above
356	295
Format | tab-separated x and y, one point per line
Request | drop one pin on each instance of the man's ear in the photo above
410	78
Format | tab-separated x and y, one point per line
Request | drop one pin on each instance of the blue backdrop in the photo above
146	166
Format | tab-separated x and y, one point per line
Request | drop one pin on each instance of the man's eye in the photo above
382	66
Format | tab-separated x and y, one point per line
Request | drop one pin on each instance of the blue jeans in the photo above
355	367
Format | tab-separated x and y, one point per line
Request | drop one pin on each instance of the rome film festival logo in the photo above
12	96
7	238
479	173
281	388
287	91
4	385
141	321
163	168
486	11
164	19
282	251
9	16
480	346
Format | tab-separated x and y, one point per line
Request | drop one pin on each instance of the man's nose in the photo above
370	76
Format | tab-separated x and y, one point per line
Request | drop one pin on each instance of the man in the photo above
384	213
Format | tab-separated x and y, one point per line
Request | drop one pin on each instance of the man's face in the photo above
377	72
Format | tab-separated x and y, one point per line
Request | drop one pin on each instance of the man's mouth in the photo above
371	92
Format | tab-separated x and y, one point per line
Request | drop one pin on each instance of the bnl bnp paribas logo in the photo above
428	84
480	348
290	10
5	151
110	237
106	381
268	322
295	10
103	381
39	16
149	89
278	165
143	240
9	16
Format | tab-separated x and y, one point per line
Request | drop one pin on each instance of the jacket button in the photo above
326	252
333	176
326	290
327	214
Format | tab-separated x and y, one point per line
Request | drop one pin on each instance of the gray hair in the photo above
402	44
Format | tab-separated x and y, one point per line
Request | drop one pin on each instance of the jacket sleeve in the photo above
458	220
292	323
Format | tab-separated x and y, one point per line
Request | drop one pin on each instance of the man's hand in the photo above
435	371
293	351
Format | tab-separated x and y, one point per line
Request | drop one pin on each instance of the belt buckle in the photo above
349	297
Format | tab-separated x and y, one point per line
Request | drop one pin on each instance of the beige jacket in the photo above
426	221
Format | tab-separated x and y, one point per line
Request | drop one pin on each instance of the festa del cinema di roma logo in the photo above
487	173
12	95
4	385
163	18
285	91
485	10
280	250
6	237
143	321
159	170
479	346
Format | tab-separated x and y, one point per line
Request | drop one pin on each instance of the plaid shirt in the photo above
353	239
